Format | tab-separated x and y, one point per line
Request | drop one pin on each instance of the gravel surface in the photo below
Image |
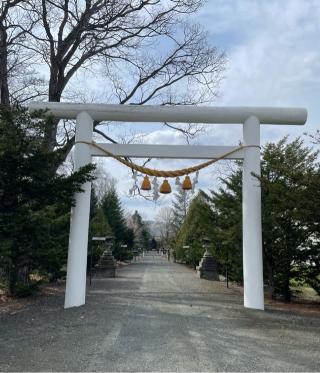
157	316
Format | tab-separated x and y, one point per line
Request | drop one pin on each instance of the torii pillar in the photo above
79	222
251	217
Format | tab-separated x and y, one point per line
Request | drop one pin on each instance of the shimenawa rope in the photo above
162	173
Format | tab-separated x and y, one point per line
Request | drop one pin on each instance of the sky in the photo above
273	50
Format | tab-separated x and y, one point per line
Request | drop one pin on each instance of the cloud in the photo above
215	134
164	136
274	60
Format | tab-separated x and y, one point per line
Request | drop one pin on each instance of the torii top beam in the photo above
174	114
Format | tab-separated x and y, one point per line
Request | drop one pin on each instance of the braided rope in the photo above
162	173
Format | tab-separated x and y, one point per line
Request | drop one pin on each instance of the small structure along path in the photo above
157	316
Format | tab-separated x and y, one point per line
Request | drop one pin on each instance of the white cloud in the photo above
164	136
274	60
216	134
274	54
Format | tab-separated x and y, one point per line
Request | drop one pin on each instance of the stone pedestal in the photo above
207	268
106	267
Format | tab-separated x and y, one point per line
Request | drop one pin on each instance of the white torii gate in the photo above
250	117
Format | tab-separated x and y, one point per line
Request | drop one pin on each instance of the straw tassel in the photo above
146	185
165	187
187	185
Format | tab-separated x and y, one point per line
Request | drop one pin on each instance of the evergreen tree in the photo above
226	209
153	244
94	204
112	209
34	202
99	227
141	232
290	211
129	238
290	217
137	221
145	238
180	208
197	224
290	179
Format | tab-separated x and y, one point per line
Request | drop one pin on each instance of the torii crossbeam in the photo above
249	117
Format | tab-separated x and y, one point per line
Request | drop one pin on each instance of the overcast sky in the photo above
273	49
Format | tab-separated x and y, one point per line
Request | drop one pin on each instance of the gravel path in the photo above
157	316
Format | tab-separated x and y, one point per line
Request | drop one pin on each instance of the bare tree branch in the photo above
104	135
147	50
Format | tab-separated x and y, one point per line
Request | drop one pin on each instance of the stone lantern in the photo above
106	267
207	268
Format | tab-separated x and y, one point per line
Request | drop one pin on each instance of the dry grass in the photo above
305	300
12	305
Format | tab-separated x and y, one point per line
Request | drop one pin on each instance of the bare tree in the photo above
5	48
314	137
103	182
164	220
145	49
19	80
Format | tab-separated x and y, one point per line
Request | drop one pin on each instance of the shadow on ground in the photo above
156	316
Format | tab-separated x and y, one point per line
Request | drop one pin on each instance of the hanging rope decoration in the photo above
165	188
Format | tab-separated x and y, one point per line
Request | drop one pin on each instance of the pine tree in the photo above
290	211
290	179
226	208
141	232
34	202
290	217
196	225
137	221
180	208
99	227
112	209
145	238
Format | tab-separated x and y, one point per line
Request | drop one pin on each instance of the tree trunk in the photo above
270	273
286	287
4	87
54	95
13	279
270	281
50	137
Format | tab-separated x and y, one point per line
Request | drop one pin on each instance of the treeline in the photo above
107	218
35	203
290	185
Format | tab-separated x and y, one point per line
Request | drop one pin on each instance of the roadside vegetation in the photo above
290	181
49	51
35	203
35	208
